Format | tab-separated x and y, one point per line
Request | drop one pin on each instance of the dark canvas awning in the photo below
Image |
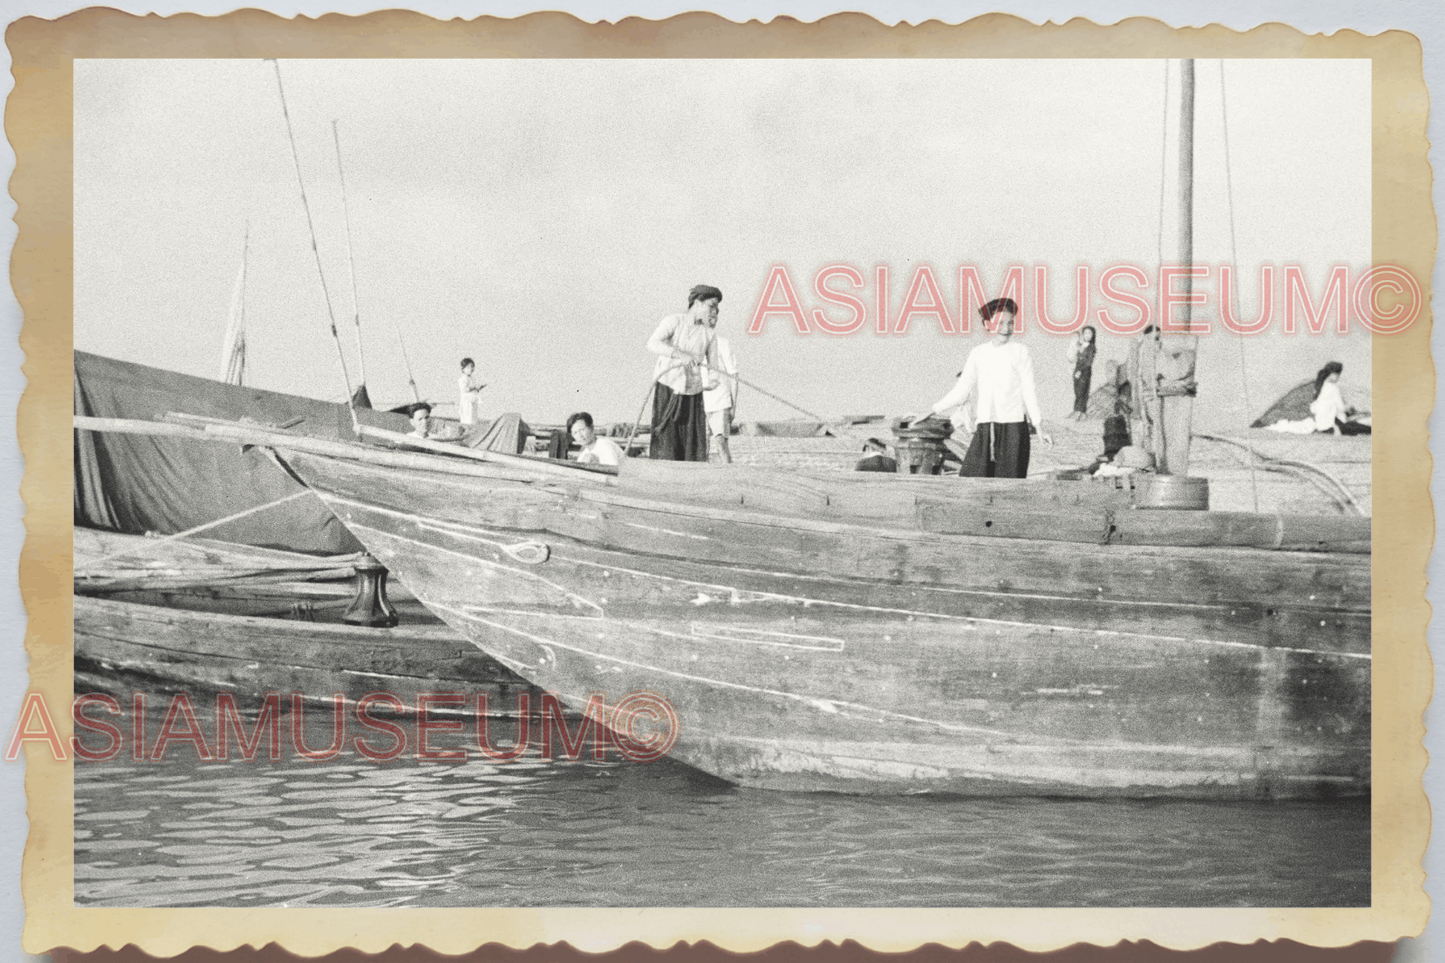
141	483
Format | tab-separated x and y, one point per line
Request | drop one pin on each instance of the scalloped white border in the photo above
1421	17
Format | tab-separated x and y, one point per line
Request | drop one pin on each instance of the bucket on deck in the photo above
919	446
1171	491
919	457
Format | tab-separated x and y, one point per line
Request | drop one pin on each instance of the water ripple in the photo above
353	832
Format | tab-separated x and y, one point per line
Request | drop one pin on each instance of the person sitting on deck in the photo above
876	458
421	420
595	450
1328	412
1001	372
1329	408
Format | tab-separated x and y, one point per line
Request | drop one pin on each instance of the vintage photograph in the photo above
723	483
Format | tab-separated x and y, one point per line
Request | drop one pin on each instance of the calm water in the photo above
351	832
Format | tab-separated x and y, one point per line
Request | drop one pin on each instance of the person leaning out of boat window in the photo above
421	420
1330	412
594	450
1081	353
1000	373
686	350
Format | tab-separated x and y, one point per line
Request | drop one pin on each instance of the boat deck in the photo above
1076	445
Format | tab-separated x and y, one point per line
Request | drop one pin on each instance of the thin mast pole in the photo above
1186	182
233	346
1178	353
415	395
326	293
350	259
241	322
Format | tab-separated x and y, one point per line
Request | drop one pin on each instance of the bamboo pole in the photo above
545	466
502	467
350	257
232	434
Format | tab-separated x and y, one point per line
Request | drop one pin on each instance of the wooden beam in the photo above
546	466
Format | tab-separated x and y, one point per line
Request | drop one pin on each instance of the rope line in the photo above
1234	260
156	543
1269	462
652	386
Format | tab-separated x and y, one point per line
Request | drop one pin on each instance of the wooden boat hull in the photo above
803	655
124	646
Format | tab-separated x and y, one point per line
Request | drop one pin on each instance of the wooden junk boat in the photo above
889	633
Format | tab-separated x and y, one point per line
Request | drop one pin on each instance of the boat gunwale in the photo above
771	519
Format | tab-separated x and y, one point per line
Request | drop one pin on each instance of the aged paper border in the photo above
38	124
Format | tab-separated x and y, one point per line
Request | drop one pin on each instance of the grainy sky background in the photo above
543	215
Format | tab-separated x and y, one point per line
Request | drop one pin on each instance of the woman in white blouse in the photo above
1001	373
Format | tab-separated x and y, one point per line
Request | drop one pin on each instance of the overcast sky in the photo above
543	215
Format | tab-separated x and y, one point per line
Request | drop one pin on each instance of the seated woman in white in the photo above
1329	405
1328	412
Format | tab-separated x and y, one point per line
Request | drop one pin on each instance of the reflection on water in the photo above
350	832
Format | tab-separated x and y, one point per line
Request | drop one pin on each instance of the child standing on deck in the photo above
470	393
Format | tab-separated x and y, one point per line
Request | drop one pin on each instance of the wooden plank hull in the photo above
842	657
119	645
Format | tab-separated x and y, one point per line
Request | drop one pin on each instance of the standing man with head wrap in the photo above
686	349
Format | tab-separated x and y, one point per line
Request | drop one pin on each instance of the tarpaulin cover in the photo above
143	483
1293	405
508	434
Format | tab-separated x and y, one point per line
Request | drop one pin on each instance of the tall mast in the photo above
1186	179
1177	352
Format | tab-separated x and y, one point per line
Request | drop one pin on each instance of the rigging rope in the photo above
156	543
1234	260
296	159
350	258
1141	415
652	385
1269	462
